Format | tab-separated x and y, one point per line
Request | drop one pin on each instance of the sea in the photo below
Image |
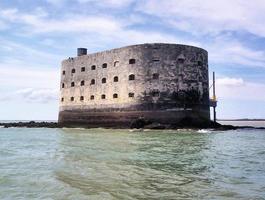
73	164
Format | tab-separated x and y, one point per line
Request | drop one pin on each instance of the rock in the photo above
31	124
157	126
139	123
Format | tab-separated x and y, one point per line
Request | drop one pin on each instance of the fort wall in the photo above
159	82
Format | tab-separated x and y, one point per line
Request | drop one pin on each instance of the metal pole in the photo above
214	98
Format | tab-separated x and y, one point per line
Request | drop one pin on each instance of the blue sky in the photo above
36	35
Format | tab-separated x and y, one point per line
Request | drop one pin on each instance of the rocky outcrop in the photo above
31	124
139	123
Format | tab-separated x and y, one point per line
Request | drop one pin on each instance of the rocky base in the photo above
31	124
188	123
140	123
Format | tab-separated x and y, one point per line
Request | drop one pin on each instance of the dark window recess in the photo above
131	94
63	85
156	60
115	96
62	99
155	76
132	61
103	96
82	83
104	65
199	63
93	67
63	72
155	93
116	79
83	69
92	82
104	80
73	71
116	63
72	98
73	84
92	97
131	77
181	60
82	98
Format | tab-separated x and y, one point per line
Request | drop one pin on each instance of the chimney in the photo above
81	51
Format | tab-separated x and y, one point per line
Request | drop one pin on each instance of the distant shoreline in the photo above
254	120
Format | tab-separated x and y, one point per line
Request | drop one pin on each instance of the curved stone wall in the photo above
160	82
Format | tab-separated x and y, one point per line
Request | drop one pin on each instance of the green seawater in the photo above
122	164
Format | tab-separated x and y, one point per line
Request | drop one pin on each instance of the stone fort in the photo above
158	83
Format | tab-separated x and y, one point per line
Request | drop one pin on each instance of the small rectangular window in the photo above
131	77
132	61
104	65
116	79
115	96
104	80
155	76
155	93
116	63
83	69
131	95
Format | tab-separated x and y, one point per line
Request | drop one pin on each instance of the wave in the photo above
203	131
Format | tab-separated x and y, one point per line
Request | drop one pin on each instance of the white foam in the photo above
203	131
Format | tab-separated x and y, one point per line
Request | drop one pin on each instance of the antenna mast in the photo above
213	100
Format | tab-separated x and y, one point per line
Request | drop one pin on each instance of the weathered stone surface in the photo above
170	82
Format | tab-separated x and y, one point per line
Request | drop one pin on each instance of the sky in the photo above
35	36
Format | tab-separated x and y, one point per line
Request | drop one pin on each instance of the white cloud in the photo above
101	3
76	24
23	77
227	81
92	29
101	30
109	3
3	25
33	95
56	2
39	22
209	16
39	94
228	88
23	52
224	50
